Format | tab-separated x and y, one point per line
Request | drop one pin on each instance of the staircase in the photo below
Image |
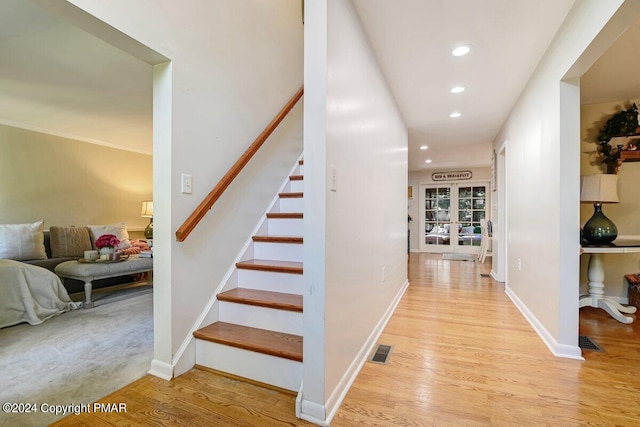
258	334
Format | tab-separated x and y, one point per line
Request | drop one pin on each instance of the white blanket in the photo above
29	293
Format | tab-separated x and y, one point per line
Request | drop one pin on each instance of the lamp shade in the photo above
147	209
601	188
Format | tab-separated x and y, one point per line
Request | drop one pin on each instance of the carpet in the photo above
458	257
77	357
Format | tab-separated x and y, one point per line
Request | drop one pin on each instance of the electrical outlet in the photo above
519	264
187	184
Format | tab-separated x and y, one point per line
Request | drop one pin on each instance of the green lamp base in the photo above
148	231
599	230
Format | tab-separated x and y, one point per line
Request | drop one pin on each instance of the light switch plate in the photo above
187	184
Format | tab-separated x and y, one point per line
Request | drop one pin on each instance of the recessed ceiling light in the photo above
455	115
461	50
423	147
457	89
428	161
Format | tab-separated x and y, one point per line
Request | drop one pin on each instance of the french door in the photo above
451	216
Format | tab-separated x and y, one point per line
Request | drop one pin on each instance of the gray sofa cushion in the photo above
69	241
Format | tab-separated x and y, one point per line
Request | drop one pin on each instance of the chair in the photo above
485	240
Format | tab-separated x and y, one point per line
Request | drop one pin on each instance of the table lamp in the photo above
147	212
599	189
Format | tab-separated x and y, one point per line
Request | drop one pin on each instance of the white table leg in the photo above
606	305
622	308
87	295
596	297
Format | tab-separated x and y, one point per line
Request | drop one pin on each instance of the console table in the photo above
595	274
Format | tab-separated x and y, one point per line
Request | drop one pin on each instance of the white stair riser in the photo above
300	170
283	373
291	204
285	226
288	322
278	251
296	186
269	281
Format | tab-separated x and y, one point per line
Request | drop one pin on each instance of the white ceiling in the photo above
413	40
59	79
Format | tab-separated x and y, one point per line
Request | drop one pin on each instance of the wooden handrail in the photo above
187	227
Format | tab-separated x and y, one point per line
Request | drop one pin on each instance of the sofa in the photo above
31	244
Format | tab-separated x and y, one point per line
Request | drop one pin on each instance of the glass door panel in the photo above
452	214
437	215
471	209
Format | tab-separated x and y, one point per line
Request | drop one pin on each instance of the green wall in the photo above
69	182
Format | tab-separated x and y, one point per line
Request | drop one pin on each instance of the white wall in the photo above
355	128
624	214
233	66
68	182
424	177
543	177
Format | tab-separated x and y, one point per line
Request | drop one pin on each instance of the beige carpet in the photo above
77	357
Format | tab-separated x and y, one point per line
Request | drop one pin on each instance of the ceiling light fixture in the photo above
461	50
423	147
455	115
457	89
428	161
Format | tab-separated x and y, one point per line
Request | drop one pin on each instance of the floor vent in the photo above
382	354
586	343
485	275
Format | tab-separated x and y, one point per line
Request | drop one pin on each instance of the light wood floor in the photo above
463	356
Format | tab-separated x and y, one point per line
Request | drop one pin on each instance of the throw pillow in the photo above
22	242
69	241
119	230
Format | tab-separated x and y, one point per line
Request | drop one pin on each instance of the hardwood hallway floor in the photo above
463	356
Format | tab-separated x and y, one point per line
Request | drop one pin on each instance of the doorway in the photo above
451	214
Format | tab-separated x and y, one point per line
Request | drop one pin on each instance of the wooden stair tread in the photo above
277	300
278	239
285	215
296	177
263	341
271	265
296	195
301	162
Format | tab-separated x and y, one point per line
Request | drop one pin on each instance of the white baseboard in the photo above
323	414
161	369
313	412
558	350
188	359
494	276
